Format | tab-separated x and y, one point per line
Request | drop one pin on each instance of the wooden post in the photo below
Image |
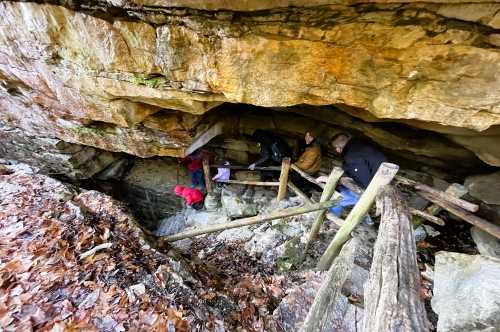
326	195
392	294
384	175
206	173
323	310
285	167
250	221
465	215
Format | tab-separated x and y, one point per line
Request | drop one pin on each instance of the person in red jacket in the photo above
192	196
194	164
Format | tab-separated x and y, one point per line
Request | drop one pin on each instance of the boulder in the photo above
466	292
485	187
237	202
487	244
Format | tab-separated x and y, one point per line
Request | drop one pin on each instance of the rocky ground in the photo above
76	259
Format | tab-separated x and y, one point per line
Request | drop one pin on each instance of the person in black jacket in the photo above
361	159
272	150
361	162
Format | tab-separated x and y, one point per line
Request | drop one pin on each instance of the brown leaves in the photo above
43	283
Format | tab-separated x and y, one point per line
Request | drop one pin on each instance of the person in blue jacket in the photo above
361	162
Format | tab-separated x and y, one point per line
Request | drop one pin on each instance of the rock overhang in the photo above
404	63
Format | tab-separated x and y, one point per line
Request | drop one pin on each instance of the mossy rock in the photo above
293	255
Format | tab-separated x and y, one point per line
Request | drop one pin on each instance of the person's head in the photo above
339	141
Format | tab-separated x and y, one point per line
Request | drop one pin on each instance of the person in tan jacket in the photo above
309	161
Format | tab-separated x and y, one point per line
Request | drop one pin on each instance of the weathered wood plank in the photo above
392	293
382	177
323	314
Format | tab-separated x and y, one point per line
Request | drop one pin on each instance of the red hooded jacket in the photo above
191	195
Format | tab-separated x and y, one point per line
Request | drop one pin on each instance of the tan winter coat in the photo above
310	160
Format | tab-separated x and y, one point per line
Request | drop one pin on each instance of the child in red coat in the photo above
192	196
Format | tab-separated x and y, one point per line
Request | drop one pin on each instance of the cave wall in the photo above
141	76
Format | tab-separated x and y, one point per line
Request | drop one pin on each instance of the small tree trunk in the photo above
249	221
384	175
285	167
326	195
299	193
392	293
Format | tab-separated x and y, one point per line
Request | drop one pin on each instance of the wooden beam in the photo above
326	195
442	196
427	216
250	221
392	294
351	185
205	137
465	215
299	193
257	168
455	189
285	167
252	183
307	176
323	310
206	174
382	177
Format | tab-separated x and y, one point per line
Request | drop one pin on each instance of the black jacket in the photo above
269	141
361	161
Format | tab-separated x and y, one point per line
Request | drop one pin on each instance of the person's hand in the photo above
251	167
322	178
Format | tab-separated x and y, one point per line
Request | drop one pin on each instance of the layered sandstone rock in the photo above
138	77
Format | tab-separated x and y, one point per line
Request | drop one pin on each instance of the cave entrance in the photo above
147	185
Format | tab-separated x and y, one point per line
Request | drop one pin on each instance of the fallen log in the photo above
442	196
326	195
322	315
392	293
465	215
382	177
249	221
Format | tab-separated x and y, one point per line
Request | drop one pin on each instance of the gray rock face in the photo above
150	184
487	244
485	187
53	156
238	202
466	292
